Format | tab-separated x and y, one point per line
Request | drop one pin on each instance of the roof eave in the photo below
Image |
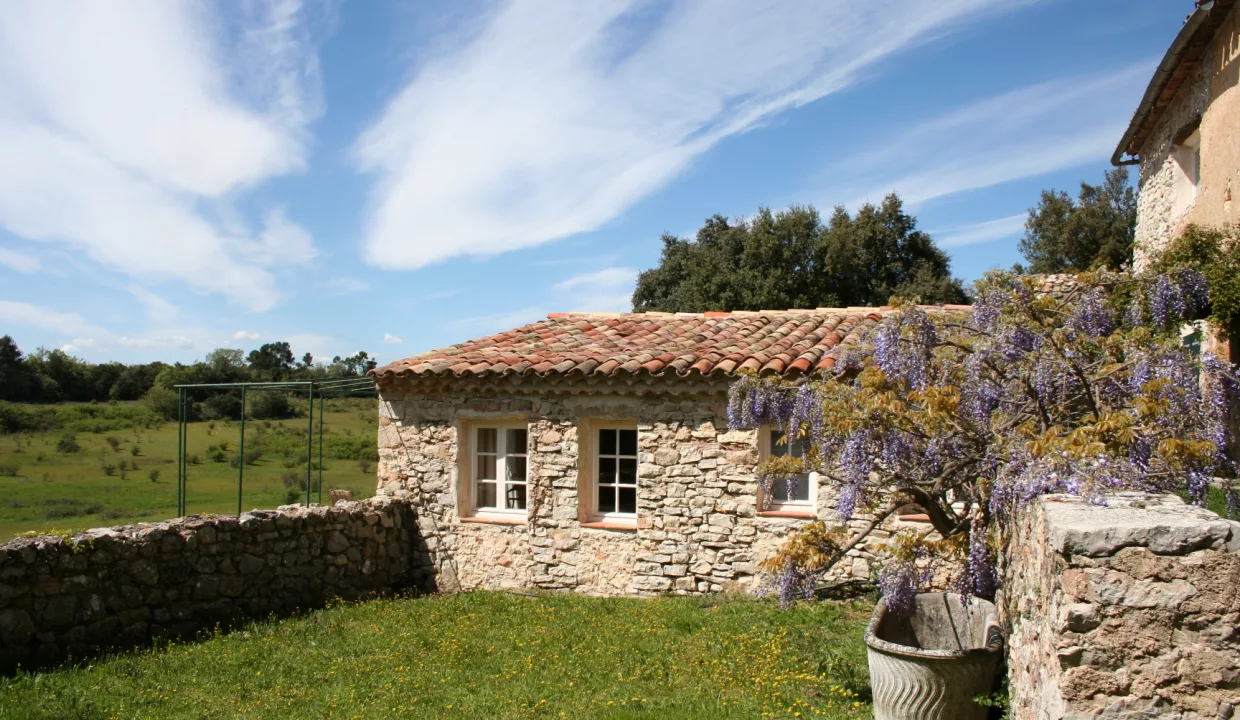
1181	51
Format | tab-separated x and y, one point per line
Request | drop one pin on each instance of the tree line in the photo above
52	376
792	259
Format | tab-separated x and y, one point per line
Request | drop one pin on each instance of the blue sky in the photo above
394	177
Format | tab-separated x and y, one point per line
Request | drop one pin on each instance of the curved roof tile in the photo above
783	342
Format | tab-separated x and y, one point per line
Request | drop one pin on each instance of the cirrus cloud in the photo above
558	116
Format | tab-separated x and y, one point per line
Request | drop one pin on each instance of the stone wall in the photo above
698	527
116	587
1129	611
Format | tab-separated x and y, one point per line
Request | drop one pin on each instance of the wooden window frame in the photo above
467	482
788	508
587	476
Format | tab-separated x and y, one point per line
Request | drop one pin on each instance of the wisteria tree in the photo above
972	415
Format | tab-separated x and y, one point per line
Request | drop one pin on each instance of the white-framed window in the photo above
607	472
616	472
495	469
795	495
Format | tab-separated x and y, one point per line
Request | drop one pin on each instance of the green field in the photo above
44	488
487	655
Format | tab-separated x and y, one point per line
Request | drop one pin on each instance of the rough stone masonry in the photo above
118	587
698	527
1127	612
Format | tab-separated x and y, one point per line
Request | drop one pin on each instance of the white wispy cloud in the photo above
557	116
606	290
346	286
390	339
19	262
157	309
981	232
117	119
30	315
244	335
176	342
1017	134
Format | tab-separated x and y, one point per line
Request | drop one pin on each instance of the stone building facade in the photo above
527	471
1185	134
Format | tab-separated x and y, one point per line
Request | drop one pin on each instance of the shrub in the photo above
292	496
68	443
124	465
153	476
193	459
292	478
108	469
266	404
162	402
251	457
224	405
135	451
114	443
364	466
56	508
972	416
9	470
216	454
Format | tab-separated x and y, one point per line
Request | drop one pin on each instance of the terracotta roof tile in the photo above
781	342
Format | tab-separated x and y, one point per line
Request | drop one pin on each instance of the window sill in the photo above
801	513
916	518
610	524
496	519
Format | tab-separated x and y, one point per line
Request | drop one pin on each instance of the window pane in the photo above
778	449
515	497
779	490
628	471
606	498
628	499
607	442
606	471
516	442
486	440
486	495
486	467
628	442
516	467
801	489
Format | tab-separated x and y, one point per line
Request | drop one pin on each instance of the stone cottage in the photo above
591	452
1185	134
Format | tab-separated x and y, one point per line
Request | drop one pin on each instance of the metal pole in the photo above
309	440
241	454
180	451
320	448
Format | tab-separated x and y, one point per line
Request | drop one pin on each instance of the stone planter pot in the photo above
931	665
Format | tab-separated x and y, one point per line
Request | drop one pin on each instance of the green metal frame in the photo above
338	387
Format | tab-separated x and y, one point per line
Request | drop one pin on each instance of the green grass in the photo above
486	655
43	489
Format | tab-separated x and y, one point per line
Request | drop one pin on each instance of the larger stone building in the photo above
1185	133
592	452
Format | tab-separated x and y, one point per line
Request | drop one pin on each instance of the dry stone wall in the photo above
698	527
1125	612
116	587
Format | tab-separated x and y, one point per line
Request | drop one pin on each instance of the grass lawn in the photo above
55	490
486	655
